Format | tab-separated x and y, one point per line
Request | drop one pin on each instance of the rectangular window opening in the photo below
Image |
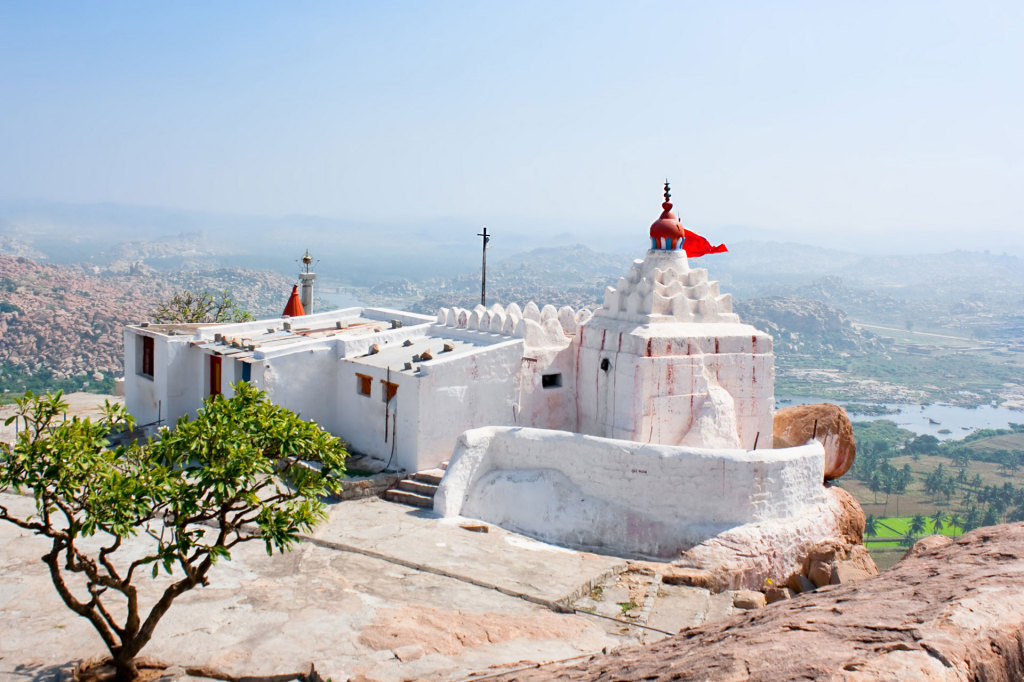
146	352
214	375
551	380
364	384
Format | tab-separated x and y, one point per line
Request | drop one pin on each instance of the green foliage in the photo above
230	476
7	307
202	306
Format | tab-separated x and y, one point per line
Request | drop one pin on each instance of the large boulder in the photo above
826	422
948	611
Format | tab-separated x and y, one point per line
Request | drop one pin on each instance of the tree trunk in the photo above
125	670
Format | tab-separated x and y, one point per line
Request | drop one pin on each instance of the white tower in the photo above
665	360
306	279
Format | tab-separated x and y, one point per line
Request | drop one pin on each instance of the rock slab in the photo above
947	611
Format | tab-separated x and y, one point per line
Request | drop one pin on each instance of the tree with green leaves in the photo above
972	518
233	474
200	306
871	526
956	524
917	524
937	520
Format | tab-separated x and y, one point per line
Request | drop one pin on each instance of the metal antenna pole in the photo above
483	269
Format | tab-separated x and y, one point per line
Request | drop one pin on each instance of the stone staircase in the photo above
418	489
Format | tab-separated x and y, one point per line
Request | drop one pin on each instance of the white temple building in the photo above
664	360
643	428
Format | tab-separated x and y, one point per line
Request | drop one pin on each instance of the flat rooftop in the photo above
395	355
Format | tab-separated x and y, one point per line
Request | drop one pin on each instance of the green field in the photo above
1008	441
897	475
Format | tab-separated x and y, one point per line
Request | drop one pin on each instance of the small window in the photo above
606	364
390	389
244	371
551	380
146	352
364	384
214	375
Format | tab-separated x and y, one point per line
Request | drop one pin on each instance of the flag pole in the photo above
483	269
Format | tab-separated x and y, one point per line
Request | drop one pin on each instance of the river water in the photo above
928	419
335	295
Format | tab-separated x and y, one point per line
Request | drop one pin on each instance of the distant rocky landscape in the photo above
892	328
61	324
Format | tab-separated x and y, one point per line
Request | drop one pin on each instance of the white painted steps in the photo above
418	489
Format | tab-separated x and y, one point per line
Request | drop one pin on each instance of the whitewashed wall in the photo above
623	496
658	379
462	392
360	420
174	389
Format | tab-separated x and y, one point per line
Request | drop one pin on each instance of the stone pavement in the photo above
382	592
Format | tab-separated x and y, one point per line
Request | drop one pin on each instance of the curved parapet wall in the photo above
623	496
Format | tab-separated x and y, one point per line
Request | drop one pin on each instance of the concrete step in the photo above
432	476
410	498
420	487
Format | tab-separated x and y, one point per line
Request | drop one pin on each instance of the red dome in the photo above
294	305
667	226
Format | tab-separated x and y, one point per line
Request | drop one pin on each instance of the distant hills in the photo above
62	326
820	304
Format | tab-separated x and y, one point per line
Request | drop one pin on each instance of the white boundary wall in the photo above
623	496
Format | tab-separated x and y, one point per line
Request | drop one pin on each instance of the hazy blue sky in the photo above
813	118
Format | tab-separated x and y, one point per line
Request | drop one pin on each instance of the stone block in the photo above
820	573
693	577
848	572
800	584
748	599
774	594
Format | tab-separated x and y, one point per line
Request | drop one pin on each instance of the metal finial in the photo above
307	260
668	195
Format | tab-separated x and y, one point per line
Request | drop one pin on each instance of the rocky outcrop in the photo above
948	611
826	422
801	325
758	555
63	321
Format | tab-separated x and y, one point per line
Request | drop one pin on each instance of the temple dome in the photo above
667	227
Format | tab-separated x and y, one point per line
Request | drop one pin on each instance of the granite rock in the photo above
947	611
825	422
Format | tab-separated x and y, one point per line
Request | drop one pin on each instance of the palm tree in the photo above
917	525
973	518
871	526
937	518
956	524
